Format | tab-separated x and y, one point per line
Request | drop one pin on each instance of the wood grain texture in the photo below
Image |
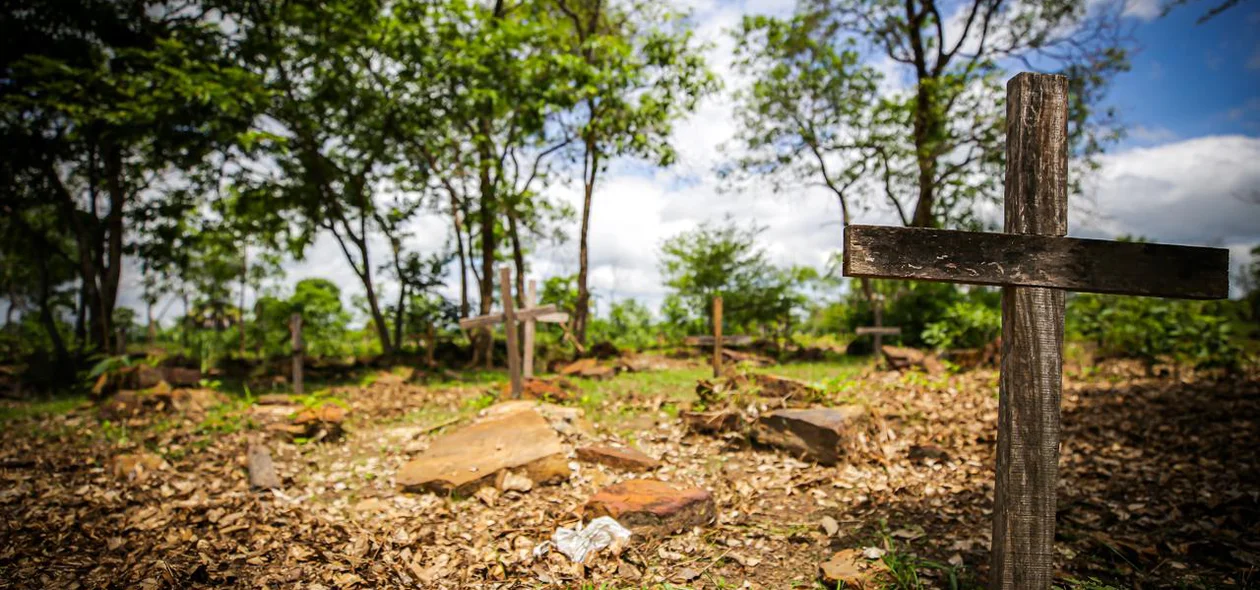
717	336
295	336
1099	266
527	364
1032	341
542	313
878	331
509	325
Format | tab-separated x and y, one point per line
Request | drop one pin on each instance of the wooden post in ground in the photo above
879	323
1034	264
1032	340
717	336
295	334
509	326
531	293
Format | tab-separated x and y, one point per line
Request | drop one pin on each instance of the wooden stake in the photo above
527	367
717	336
295	334
879	323
262	472
509	326
1032	340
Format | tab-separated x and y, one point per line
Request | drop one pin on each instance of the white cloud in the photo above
1155	134
1146	10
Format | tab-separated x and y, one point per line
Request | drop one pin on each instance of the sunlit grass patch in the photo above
38	409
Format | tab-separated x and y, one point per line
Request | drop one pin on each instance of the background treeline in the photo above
203	143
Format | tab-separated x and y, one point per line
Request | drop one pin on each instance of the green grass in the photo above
39	409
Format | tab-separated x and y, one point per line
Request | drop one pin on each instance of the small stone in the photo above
652	508
830	526
629	459
926	452
818	434
275	399
712	422
510	481
792	391
901	357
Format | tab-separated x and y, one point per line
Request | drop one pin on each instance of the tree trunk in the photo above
463	264
399	314
486	214
46	316
583	304
518	257
240	311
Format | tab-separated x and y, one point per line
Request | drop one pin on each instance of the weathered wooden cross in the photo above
299	347
879	330
1035	265
509	317
716	339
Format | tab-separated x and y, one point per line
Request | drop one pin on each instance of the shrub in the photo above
1195	333
965	324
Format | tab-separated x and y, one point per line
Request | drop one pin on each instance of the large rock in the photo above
628	458
818	434
182	376
473	456
652	508
589	368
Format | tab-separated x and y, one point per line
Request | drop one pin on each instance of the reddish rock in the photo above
629	459
712	422
652	508
589	368
137	466
320	422
275	399
818	434
556	390
471	457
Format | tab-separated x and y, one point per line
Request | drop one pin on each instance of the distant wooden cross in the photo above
717	340
509	317
1035	266
298	345
879	330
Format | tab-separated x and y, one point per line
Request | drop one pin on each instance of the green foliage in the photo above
724	260
1195	333
966	324
324	320
629	325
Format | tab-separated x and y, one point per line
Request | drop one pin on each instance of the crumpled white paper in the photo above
577	543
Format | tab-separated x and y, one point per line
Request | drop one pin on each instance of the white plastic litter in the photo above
577	543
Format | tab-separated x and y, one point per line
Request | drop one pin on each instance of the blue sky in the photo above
1190	80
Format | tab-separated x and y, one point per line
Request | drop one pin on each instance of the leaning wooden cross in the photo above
509	317
717	340
1035	266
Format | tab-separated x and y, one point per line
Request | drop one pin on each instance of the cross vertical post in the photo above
879	323
717	337
295	335
527	368
1032	339
509	325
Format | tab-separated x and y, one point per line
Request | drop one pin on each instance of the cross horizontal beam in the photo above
880	330
542	313
1099	266
736	340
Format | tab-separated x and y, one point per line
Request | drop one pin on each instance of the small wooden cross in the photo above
879	330
509	317
295	335
1034	264
717	340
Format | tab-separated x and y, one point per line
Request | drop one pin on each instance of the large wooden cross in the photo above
509	318
1035	265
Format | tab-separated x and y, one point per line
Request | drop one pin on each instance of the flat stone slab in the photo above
817	434
792	391
900	357
627	458
651	507
471	457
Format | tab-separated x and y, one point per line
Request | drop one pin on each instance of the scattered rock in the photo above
182	376
555	390
652	508
604	350
928	452
789	390
819	434
317	423
629	459
589	368
275	399
473	456
900	357
563	419
137	466
262	472
736	356
850	569
830	526
143	376
712	422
